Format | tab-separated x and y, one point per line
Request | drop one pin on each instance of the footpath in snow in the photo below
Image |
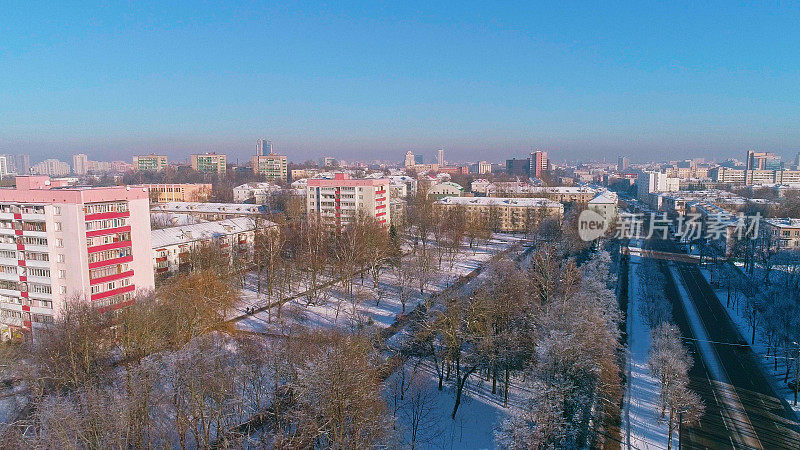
368	305
642	411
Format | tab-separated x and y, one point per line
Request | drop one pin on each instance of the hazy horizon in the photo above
371	81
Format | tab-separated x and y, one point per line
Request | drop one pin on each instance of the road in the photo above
742	410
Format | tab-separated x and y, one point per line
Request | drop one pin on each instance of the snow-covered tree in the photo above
669	362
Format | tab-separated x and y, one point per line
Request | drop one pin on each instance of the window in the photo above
37	256
58	226
40	288
63	289
57	210
95	208
30	240
59	242
37	272
61	257
109	254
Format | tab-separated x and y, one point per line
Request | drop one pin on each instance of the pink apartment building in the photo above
59	243
338	201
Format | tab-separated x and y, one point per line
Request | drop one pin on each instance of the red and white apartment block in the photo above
337	201
59	243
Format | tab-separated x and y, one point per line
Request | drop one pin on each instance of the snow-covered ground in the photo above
739	420
642	411
759	347
478	415
368	305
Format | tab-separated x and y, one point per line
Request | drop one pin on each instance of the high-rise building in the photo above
3	166
273	167
11	166
209	163
263	147
149	162
762	161
23	164
623	162
538	164
80	164
338	201
419	159
518	167
51	167
484	167
440	157
654	182
62	244
410	160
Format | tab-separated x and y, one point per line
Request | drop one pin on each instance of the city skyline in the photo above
378	80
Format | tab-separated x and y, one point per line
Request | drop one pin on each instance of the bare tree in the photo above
670	362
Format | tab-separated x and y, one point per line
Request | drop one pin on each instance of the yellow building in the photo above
504	214
163	193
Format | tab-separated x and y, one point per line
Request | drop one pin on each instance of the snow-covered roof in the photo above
563	189
448	184
257	185
783	222
201	231
198	207
604	197
500	201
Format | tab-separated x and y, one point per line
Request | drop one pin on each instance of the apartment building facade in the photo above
338	201
539	164
59	243
172	246
209	163
273	167
184	192
149	162
505	214
729	175
783	234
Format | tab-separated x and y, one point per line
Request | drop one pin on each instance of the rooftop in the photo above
500	201
783	222
604	197
201	231
450	184
198	207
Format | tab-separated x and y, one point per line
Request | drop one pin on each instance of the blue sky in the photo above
485	80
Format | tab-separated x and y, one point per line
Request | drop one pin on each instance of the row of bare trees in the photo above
165	373
553	325
668	359
572	378
769	301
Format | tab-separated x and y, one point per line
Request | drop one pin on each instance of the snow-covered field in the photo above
759	347
480	410
642	411
473	428
368	305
